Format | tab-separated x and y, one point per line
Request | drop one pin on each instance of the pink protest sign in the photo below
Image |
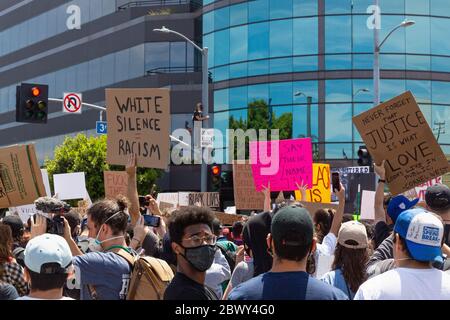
282	162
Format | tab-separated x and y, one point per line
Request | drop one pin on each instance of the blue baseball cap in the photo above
399	204
423	233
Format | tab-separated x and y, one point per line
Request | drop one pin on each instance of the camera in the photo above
55	225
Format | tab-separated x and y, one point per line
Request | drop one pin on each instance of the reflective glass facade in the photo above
113	48
268	50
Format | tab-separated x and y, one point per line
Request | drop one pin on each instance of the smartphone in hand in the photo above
336	182
151	221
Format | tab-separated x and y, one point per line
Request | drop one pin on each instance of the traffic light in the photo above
216	179
32	103
364	158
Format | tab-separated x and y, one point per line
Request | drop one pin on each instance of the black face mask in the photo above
200	258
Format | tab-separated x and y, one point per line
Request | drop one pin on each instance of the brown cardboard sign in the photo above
138	123
396	131
228	219
116	183
205	199
245	195
20	175
312	207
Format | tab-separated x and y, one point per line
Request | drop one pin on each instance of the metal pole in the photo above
376	62
205	102
308	112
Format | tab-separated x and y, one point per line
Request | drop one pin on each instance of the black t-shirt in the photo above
197	115
257	229
381	232
183	288
8	292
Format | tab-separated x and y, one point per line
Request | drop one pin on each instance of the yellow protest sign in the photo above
321	191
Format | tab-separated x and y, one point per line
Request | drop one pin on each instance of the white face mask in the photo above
95	245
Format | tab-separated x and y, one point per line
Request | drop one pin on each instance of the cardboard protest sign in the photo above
116	183
70	185
21	178
228	219
245	195
321	191
205	199
396	131
282	162
166	206
312	207
280	198
138	123
368	205
167	197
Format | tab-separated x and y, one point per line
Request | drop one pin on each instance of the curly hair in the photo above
352	262
6	241
186	217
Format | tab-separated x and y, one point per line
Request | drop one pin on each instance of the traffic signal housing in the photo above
32	103
216	180
364	157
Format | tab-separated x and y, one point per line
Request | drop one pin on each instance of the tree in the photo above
258	118
88	155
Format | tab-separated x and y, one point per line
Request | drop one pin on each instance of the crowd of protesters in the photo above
273	255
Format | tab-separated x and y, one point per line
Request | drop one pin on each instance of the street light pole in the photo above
353	114
205	95
308	111
376	55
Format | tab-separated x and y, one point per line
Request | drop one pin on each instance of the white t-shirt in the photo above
406	284
30	298
328	245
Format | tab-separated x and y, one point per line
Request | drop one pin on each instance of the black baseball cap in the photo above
292	226
16	225
437	197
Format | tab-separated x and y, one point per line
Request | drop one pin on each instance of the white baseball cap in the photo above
49	254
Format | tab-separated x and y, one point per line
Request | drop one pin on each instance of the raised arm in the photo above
132	192
337	219
379	194
302	188
267	200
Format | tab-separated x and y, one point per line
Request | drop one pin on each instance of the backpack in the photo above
228	249
149	277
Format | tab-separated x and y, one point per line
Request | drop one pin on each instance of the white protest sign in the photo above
324	264
168	197
207	138
46	182
230	210
368	205
25	212
352	170
70	185
183	199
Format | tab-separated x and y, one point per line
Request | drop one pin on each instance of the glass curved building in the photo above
283	51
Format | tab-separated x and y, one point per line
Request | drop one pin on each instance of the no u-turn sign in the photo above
72	102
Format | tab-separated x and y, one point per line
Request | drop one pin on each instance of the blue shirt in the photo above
285	286
106	271
336	279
